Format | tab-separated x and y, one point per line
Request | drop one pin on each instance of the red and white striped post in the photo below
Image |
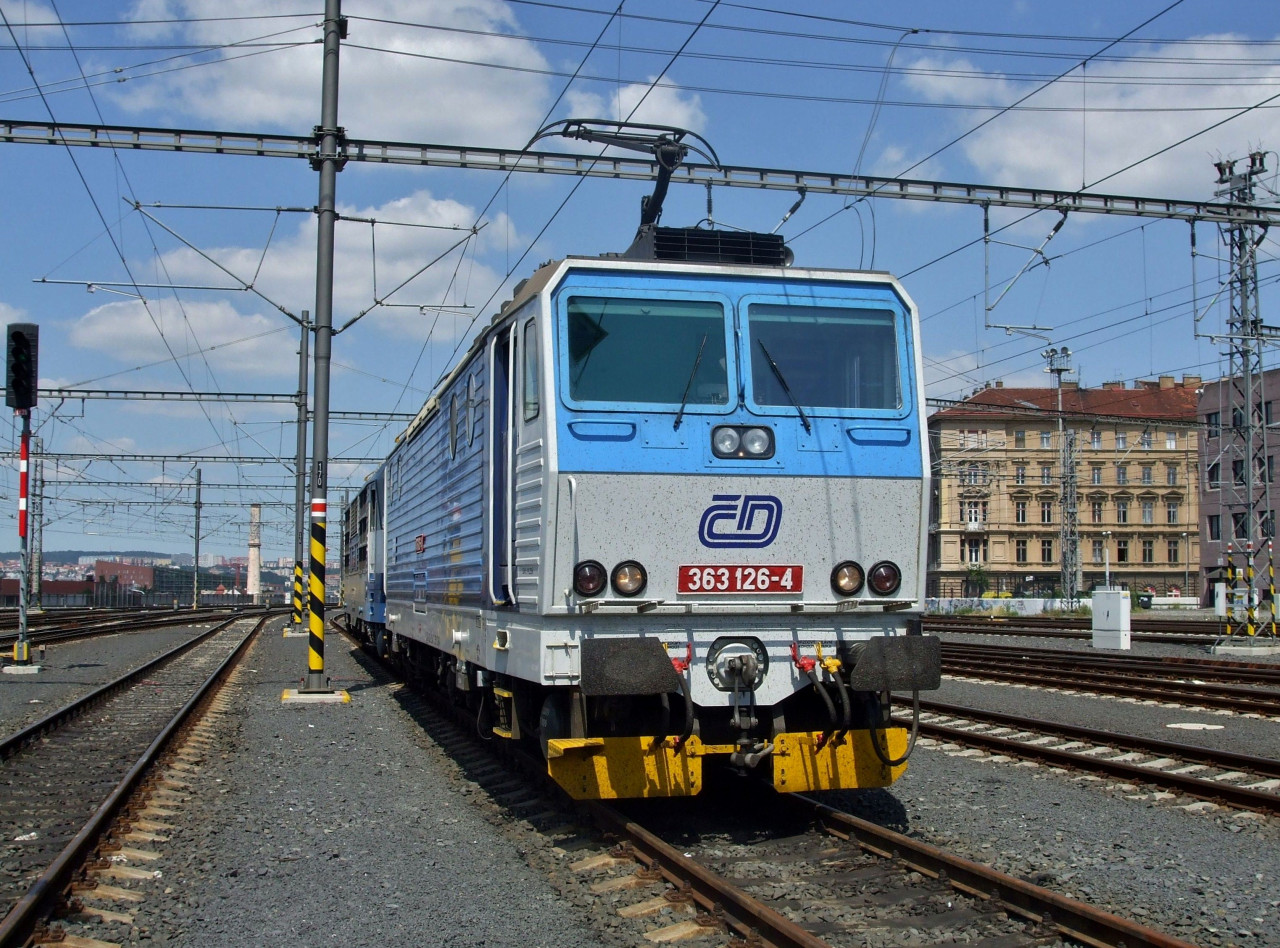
22	647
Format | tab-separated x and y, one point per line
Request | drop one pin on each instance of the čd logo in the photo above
748	521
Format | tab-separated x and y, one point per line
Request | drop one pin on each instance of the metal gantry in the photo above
311	148
1247	488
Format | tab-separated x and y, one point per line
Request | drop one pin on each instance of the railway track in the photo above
1237	780
815	878
85	625
1169	631
1233	686
68	775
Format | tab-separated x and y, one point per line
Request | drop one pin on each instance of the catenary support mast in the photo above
328	162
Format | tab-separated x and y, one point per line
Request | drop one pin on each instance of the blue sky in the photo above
804	85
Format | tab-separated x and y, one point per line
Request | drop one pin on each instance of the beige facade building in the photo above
997	509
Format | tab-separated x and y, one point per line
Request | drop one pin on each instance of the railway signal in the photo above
20	395
20	365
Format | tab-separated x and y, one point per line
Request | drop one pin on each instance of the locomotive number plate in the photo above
740	579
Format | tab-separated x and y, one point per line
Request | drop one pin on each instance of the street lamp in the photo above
1186	565
1106	558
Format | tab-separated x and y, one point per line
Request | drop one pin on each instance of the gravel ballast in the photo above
333	824
71	669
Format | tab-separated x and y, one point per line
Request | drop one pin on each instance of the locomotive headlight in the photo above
725	441
755	441
847	578
588	578
628	578
885	577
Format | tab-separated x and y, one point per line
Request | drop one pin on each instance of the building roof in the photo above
1163	400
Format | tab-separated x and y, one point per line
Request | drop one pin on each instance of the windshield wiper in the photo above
785	387
684	399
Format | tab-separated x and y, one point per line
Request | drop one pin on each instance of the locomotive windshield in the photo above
830	356
646	350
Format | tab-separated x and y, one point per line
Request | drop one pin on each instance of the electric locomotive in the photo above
670	506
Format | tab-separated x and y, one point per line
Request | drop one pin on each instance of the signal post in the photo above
20	395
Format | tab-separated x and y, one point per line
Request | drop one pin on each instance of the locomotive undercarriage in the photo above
827	735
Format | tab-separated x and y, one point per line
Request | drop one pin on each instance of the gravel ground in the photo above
1241	734
337	824
328	824
72	669
1201	873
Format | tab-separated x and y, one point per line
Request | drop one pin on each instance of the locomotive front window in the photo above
649	351
829	356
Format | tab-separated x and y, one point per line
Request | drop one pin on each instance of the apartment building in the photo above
998	488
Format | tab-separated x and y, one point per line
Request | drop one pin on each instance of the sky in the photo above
165	271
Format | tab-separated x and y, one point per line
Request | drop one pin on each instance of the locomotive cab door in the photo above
516	477
501	353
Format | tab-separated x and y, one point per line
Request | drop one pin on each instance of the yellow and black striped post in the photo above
1248	587
315	641
297	593
1231	596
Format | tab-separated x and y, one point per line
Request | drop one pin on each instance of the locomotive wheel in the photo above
553	722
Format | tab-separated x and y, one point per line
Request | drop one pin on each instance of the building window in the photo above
1095	474
1148	474
1046	551
1171	474
1171	440
1171	511
1144	441
1148	551
1122	551
1019	511
1148	511
1266	524
1266	413
1173	551
1239	526
1122	440
1097	551
1019	439
1020	474
1237	470
1095	440
1046	439
1095	508
1122	511
1214	476
975	550
1215	526
1122	474
1020	550
1046	474
1046	511
1213	424
973	511
1237	418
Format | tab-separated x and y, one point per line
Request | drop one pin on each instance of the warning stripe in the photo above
297	593
315	641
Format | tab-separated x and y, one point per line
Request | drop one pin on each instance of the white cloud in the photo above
1135	107
288	268
663	105
130	332
405	72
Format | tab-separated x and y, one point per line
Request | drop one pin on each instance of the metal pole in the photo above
300	467
22	647
195	572
327	162
1106	557
35	511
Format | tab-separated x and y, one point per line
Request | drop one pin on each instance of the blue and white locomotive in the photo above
670	506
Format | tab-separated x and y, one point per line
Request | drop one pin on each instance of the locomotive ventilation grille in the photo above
719	246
